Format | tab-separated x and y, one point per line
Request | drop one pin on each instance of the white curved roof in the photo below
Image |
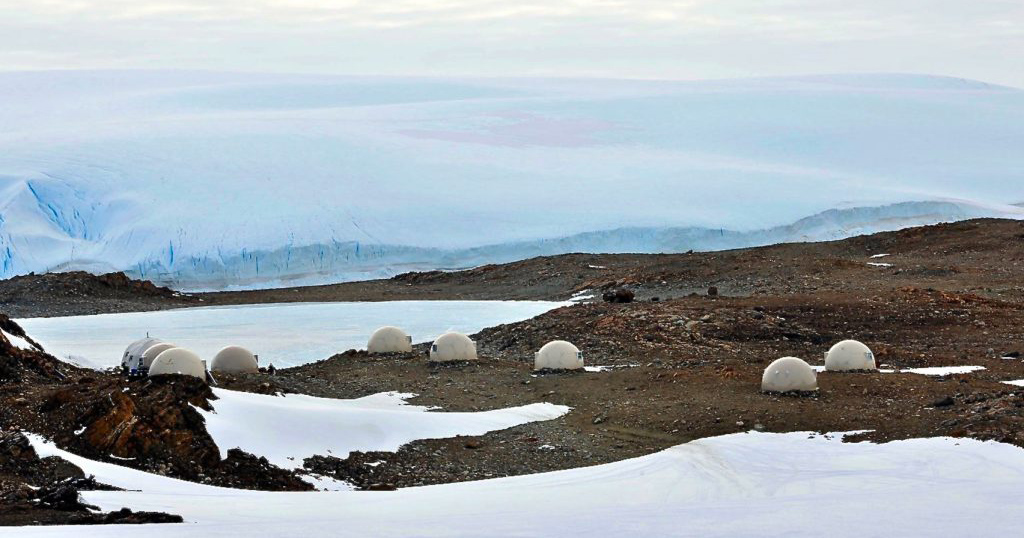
558	355
133	353
452	347
151	352
789	374
850	355
178	361
234	360
389	340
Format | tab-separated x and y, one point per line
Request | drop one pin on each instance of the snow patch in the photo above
606	368
326	483
943	370
93	364
18	341
581	296
287	429
819	368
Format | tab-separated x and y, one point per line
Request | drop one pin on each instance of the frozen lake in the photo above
283	334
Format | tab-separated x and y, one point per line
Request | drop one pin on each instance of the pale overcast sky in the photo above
690	39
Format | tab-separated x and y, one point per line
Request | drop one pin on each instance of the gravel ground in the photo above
687	366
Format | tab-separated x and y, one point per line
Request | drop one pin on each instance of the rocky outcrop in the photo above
36	490
153	425
149	424
17	363
73	283
78	292
153	422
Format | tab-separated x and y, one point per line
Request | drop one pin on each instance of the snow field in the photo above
748	484
287	429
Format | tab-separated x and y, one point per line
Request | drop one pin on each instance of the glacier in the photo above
205	180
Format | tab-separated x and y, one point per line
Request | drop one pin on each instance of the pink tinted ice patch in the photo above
519	130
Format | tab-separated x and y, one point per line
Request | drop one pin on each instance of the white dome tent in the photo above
789	374
389	340
131	361
451	347
178	361
849	356
153	351
558	355
235	360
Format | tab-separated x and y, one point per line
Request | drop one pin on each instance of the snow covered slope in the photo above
215	179
753	484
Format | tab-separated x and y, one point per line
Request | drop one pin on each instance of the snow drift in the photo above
753	484
208	180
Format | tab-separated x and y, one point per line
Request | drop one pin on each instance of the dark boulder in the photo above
618	295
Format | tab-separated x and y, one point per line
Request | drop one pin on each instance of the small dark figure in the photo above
619	295
271	370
